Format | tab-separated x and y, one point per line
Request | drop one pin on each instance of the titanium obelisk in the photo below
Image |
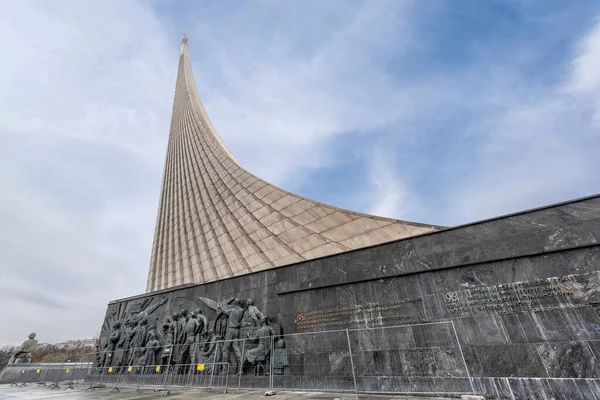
217	220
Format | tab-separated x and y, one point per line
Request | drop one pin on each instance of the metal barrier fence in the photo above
153	377
207	376
410	359
27	376
76	369
317	361
71	371
405	359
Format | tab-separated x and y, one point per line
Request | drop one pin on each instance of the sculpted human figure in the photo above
253	312
192	327
139	342
166	341
151	350
183	317
211	355
124	347
263	334
202	318
111	345
201	336
23	353
221	326
151	330
174	332
166	332
120	350
234	322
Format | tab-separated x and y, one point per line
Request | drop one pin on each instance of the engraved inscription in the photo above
547	294
366	315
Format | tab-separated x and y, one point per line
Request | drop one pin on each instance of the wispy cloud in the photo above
541	145
584	77
280	106
86	93
387	196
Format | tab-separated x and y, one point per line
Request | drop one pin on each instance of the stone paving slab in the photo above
32	392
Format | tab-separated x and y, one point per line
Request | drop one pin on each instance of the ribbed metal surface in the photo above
217	220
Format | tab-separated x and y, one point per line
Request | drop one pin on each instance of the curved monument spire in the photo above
217	220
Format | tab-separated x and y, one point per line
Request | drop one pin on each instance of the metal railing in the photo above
422	358
205	376
27	376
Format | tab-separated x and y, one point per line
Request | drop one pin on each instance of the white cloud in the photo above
541	147
387	195
278	110
585	73
86	96
584	80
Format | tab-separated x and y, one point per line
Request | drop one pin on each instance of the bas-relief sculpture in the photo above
22	353
183	335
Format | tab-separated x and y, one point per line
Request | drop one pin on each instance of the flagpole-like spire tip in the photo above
184	41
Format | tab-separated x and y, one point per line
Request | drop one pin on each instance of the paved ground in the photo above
33	392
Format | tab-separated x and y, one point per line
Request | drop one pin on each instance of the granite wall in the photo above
520	293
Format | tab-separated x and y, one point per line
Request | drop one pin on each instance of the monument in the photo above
246	278
22	353
216	220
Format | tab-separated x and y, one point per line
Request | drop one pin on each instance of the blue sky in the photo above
442	112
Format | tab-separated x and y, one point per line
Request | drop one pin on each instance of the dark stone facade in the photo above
522	292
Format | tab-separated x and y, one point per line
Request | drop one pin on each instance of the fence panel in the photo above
179	376
27	376
57	374
128	376
215	375
68	375
92	378
17	380
77	367
108	377
203	365
254	369
152	377
412	359
101	378
313	361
